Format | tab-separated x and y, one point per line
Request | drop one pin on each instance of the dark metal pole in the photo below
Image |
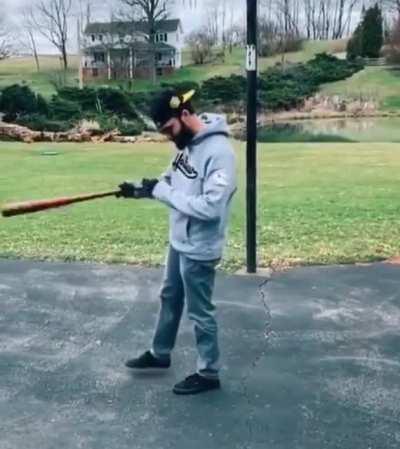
251	65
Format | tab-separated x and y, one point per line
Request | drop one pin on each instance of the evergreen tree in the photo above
367	39
354	48
372	36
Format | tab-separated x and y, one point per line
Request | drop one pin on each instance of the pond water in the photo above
370	129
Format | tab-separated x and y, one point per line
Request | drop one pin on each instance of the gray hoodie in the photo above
198	188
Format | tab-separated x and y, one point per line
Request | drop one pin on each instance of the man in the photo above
198	188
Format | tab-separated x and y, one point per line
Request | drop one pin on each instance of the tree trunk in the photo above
34	50
153	60
64	57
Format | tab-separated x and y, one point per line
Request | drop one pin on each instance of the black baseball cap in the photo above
169	104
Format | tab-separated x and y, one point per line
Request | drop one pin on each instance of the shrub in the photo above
279	87
61	109
18	100
98	101
116	101
39	122
86	97
287	88
125	127
131	128
42	105
224	90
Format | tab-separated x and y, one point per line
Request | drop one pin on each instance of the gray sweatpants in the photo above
192	280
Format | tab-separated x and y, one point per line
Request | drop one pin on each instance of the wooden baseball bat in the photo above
28	207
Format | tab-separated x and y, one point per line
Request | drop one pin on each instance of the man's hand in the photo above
137	190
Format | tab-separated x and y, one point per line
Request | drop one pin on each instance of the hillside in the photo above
379	84
23	69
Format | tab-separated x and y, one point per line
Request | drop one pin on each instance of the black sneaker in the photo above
147	361
196	384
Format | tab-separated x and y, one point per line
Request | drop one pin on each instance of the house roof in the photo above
119	27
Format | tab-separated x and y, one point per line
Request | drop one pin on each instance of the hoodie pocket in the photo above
179	227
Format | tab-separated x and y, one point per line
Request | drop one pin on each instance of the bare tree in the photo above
5	39
393	5
236	35
27	38
213	28
152	11
84	13
51	20
313	19
393	50
200	44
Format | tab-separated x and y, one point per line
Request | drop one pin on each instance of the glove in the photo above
137	190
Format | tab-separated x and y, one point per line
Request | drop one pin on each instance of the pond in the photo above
363	129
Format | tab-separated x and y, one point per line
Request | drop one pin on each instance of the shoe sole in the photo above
147	370
193	392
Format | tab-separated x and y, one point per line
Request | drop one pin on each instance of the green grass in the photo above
318	204
23	70
380	84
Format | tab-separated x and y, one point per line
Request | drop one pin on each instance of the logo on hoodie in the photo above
182	164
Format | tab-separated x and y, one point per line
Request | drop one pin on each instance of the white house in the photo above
120	50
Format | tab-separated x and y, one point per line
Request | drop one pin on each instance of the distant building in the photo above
120	50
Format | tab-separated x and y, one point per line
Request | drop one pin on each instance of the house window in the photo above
159	57
121	38
100	37
163	37
93	37
99	57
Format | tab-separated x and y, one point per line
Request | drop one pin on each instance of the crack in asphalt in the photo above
267	334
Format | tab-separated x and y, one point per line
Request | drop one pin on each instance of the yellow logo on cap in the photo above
176	102
188	95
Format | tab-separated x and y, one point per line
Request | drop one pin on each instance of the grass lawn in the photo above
18	70
23	70
381	84
318	203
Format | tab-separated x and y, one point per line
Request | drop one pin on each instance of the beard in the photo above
183	139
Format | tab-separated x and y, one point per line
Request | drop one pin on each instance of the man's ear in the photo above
185	115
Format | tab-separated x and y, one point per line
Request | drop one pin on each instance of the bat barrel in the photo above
28	207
